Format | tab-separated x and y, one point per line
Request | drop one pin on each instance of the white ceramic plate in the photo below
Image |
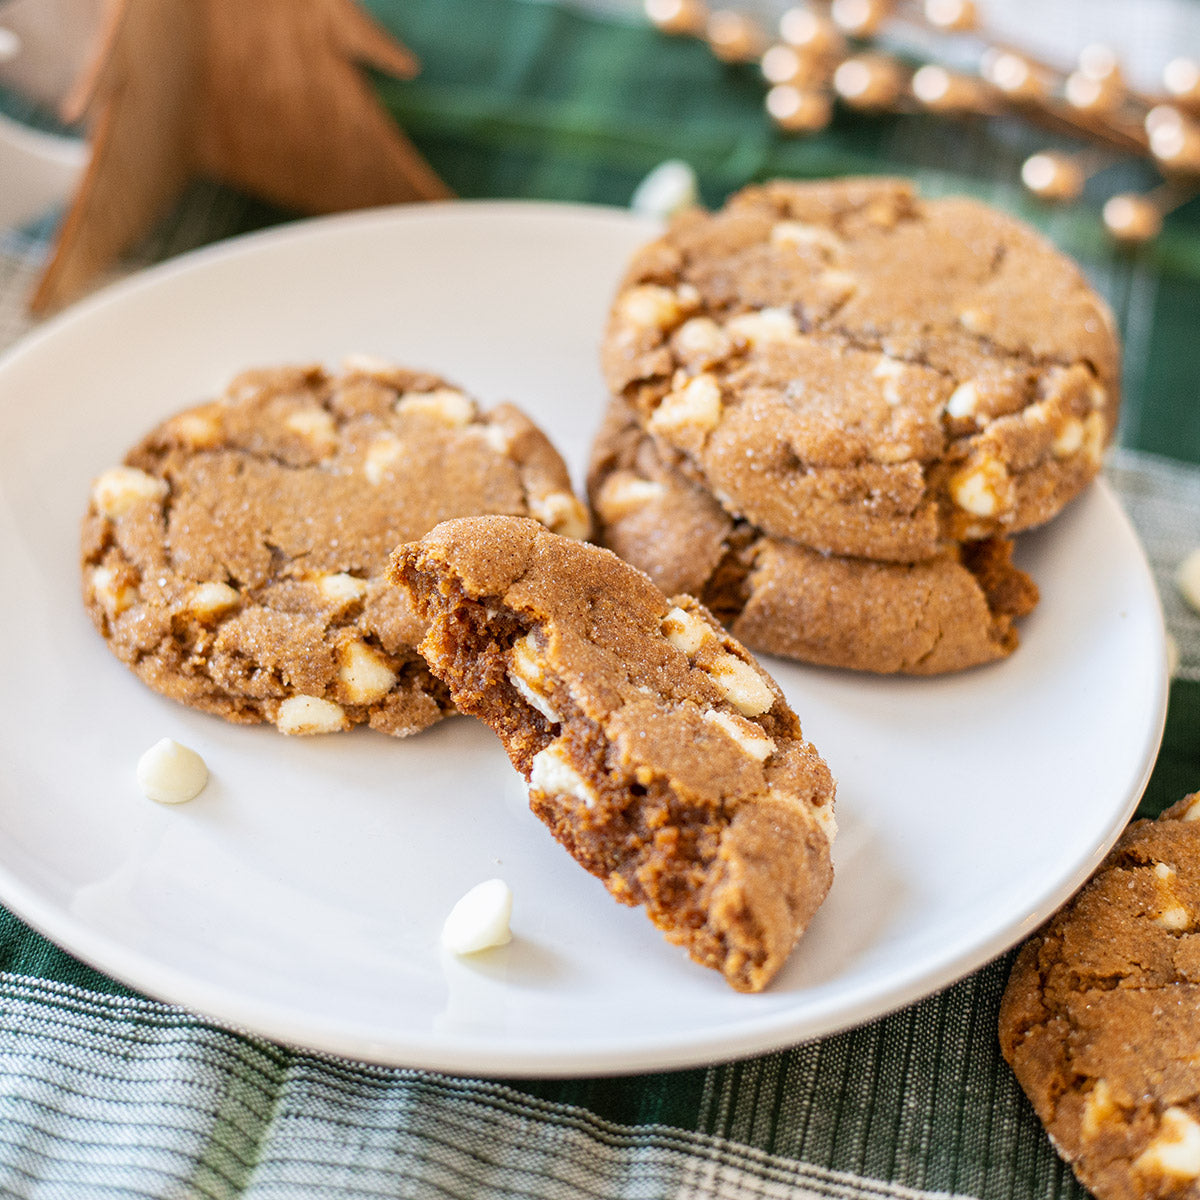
302	895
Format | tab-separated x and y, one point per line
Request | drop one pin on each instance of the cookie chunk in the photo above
656	750
235	560
1101	1017
847	365
945	613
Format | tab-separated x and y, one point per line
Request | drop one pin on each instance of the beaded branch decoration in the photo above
828	52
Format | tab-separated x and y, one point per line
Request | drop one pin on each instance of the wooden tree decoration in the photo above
266	95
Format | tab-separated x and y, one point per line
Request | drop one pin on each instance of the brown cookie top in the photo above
945	613
235	561
1101	1017
657	751
870	373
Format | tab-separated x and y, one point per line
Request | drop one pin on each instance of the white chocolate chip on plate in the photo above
480	920
169	773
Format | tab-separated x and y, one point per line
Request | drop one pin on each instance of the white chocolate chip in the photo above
496	437
197	430
685	631
341	589
963	400
797	233
1187	579
1069	438
765	326
1098	1109
526	675
447	406
552	774
115	597
118	489
841	282
624	493
743	686
1097	396
561	513
826	820
170	773
695	405
891	371
364	673
700	342
747	735
316	426
977	320
1193	810
480	920
1095	431
308	715
979	489
212	599
651	306
668	189
368	364
382	454
1175	1149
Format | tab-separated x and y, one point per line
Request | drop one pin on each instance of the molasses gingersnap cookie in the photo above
870	373
1101	1017
235	560
945	613
656	750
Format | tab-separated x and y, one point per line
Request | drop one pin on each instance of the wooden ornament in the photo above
267	96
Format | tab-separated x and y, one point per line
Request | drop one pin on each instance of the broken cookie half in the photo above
656	750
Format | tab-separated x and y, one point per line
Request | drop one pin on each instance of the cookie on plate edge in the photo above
1100	1021
235	560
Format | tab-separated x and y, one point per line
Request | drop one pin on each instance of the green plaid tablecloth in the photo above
106	1094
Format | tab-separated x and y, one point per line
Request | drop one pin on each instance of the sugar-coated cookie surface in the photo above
657	752
235	560
1101	1017
945	613
851	366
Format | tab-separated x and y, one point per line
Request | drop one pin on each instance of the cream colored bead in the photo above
1187	579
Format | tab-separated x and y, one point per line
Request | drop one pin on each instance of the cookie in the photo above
945	613
850	366
235	560
656	750
1101	1017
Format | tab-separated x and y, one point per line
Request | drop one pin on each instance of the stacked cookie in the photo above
835	403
